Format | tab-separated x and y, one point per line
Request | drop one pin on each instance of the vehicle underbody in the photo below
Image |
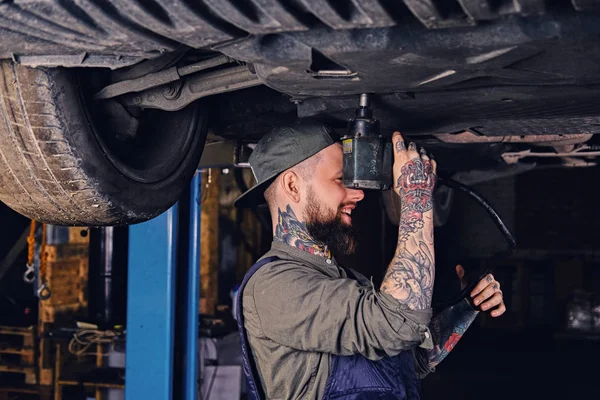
489	87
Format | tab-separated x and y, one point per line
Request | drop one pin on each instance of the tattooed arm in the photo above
447	329
410	275
449	326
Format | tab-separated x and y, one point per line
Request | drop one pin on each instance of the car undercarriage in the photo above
491	88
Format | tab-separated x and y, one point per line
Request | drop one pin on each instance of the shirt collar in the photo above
303	255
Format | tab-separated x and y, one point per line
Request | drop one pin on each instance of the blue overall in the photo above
350	377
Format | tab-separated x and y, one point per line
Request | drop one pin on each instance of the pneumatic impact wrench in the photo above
367	154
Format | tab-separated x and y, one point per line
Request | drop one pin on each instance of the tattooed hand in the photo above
414	174
486	293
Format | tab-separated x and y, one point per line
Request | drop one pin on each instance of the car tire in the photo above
57	165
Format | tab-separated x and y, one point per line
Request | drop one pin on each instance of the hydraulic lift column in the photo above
159	295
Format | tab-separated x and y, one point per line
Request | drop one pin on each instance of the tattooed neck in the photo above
294	233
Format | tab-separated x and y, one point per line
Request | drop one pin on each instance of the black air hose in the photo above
497	220
483	202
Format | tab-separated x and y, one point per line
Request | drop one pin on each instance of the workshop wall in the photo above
28	363
559	209
17	302
232	239
550	285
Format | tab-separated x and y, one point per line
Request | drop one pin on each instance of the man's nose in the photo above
355	195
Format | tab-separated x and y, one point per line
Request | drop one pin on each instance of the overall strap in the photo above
255	391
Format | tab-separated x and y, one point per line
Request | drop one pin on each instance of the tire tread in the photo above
40	174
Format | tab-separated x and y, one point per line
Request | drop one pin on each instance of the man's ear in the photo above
290	184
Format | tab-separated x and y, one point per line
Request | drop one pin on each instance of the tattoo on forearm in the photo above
448	328
411	273
410	222
409	277
293	232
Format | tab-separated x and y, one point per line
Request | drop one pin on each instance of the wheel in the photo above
64	161
442	205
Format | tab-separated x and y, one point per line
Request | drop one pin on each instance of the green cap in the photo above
279	150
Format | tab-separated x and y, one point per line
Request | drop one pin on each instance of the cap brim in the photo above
255	196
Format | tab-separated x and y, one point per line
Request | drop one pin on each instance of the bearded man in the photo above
312	329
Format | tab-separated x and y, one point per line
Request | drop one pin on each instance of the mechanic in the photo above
312	329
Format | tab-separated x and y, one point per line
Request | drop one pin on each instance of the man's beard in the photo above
330	230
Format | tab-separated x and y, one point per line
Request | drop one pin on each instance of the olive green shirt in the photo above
303	308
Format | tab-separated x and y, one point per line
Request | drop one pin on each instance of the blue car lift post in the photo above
163	294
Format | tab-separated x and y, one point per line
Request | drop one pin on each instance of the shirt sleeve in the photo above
422	367
300	308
